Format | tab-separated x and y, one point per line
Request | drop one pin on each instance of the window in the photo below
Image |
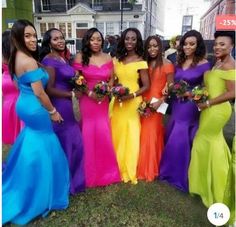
69	30
70	4
62	28
43	29
82	25
124	26
97	2
51	25
100	27
45	5
187	20
133	24
110	28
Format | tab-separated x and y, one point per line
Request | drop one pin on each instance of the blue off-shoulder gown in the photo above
36	177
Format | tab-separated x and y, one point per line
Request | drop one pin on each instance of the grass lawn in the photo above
145	204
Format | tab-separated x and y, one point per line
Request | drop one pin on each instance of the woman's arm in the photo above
44	99
226	96
143	73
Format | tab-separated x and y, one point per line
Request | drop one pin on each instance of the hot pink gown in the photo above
11	124
101	167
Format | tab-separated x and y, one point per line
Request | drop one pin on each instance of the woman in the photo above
100	162
129	69
59	89
11	124
36	177
152	131
211	156
183	123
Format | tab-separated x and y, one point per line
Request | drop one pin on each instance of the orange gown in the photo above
152	129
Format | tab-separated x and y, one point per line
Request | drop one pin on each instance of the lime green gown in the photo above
125	121
229	197
210	155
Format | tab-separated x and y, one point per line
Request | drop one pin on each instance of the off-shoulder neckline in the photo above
206	63
97	66
131	62
27	72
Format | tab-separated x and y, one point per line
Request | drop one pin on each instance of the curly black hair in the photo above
121	50
230	34
86	50
18	43
158	58
200	52
45	47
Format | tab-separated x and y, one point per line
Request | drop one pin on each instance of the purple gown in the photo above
180	132
69	132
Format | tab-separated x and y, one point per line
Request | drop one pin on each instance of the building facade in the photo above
14	10
74	17
218	7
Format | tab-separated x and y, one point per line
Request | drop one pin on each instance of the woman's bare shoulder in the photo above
25	63
203	61
78	58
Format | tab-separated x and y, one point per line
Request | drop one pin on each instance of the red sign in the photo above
226	22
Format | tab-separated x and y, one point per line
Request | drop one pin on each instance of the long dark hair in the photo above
45	47
86	50
121	50
158	58
6	45
18	43
200	50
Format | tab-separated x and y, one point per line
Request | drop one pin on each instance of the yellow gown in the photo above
125	121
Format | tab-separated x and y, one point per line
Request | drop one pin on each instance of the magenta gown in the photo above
11	124
101	167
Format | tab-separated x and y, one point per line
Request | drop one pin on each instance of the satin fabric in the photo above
69	132
101	167
180	131
211	157
36	177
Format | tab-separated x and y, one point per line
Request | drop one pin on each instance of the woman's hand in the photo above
165	90
157	104
56	117
126	97
94	96
77	94
203	106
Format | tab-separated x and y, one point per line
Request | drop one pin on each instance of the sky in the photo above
174	11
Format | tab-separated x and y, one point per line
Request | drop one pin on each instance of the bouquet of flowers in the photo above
199	94
180	89
79	83
101	89
119	91
145	109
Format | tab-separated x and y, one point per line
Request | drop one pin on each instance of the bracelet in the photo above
134	94
208	103
53	111
170	84
72	94
90	93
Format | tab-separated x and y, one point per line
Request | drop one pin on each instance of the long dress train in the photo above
180	131
36	177
69	133
211	157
